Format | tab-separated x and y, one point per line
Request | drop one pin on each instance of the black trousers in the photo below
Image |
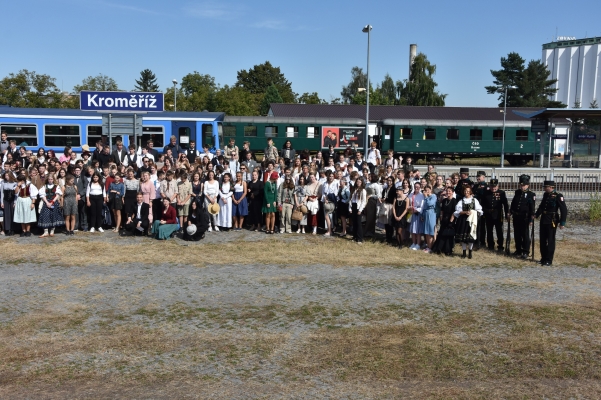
82	214
131	227
96	202
481	231
157	209
521	234
497	224
547	242
357	227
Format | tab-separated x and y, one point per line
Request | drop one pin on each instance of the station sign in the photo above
121	101
586	136
539	125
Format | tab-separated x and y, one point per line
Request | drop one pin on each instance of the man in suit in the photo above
3	143
137	217
119	154
192	153
81	219
152	150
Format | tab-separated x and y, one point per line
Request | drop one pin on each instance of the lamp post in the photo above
504	117
174	94
367	29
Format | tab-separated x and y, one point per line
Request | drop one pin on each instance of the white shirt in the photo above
95	189
42	191
373	155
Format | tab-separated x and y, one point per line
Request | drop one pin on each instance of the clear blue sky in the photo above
315	43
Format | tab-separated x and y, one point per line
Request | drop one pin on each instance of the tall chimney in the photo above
412	54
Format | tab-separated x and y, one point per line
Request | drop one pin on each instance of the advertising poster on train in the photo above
341	136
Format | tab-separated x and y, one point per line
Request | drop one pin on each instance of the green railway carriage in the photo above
304	133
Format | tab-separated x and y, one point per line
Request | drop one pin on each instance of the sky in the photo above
315	43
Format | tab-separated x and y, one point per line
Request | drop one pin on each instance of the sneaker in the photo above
210	229
326	234
415	247
427	250
92	230
100	230
216	229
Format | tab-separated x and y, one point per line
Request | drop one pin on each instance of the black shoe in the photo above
22	234
547	264
524	256
517	253
463	255
542	262
501	248
469	255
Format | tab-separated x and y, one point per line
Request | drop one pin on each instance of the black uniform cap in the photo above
464	170
494	182
549	183
525	179
480	173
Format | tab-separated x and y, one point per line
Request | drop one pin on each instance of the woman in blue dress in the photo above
51	215
428	212
240	206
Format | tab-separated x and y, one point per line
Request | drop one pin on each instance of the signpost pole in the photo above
550	144
134	128
541	160
110	135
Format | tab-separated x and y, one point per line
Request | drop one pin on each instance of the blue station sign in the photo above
121	101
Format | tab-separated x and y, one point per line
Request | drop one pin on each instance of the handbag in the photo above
297	215
303	209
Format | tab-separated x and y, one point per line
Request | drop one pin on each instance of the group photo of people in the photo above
189	192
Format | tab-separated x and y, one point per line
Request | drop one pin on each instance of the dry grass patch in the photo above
337	252
515	342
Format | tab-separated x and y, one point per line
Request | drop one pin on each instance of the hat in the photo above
549	183
274	175
85	147
525	179
494	182
191	229
464	170
214	209
481	173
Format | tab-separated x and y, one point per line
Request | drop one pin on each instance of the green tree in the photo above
420	89
533	84
198	91
234	100
311	98
271	96
100	83
387	91
30	89
147	82
350	93
260	77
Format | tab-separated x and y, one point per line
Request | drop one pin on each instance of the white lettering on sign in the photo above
92	100
122	102
146	101
106	102
566	38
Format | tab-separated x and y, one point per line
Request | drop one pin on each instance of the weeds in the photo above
594	212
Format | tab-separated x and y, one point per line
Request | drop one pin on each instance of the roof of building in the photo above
379	113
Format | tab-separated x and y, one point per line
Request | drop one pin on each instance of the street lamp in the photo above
500	90
174	94
367	29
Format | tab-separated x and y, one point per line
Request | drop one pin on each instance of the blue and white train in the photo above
56	128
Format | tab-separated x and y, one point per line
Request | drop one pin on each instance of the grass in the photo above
336	252
594	212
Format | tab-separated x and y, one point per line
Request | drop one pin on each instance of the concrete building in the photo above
575	63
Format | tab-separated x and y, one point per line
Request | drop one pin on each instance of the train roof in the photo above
294	120
67	112
380	113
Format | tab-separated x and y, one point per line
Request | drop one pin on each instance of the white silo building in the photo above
575	63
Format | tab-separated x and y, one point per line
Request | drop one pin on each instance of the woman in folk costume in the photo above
51	214
226	190
26	193
467	211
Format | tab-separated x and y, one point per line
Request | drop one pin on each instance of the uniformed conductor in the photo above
495	206
553	212
522	211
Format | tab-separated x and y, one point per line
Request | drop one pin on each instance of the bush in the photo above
594	212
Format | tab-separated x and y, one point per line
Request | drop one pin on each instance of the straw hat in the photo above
214	208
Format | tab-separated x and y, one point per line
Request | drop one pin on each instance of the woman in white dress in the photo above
467	212
26	194
224	218
211	192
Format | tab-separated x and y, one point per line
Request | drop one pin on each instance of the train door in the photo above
184	131
212	135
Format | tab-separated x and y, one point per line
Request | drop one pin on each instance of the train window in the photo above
452	134
497	134
250	131
311	132
521	134
24	135
94	135
207	135
220	134
155	133
229	130
271	131
406	133
62	135
475	134
430	134
292	131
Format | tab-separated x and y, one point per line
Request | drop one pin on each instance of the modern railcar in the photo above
57	128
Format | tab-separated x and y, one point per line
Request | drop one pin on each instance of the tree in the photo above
420	89
388	91
311	98
271	96
234	100
198	91
258	79
350	93
98	83
29	89
533	84
147	82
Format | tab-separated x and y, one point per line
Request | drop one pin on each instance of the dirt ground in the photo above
246	315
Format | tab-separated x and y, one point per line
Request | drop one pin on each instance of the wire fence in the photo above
574	184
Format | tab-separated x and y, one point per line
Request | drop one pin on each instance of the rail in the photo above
574	184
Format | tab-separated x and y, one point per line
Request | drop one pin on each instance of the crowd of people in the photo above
189	192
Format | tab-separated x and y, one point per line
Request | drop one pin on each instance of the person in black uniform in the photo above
463	183
480	189
550	218
522	211
495	205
